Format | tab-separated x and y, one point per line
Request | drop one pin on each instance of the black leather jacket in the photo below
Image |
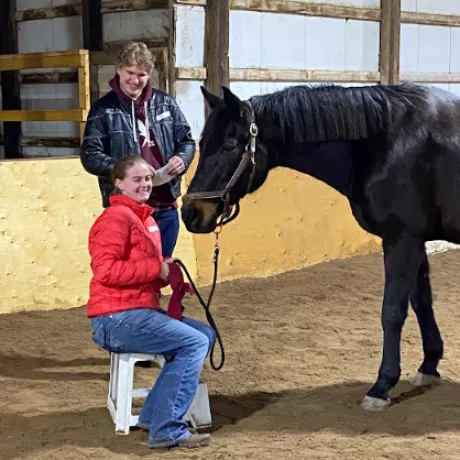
109	136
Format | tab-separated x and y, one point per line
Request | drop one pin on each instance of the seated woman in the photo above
128	272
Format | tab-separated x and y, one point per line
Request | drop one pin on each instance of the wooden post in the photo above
10	83
92	24
217	44
92	37
390	31
83	92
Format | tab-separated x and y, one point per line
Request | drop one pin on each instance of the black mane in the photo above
330	112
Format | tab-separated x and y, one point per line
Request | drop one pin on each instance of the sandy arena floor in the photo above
302	349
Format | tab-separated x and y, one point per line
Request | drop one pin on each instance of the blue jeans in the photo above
168	223
185	345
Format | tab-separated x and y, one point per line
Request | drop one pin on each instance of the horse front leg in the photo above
402	257
433	347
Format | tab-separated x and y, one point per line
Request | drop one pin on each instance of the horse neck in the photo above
331	162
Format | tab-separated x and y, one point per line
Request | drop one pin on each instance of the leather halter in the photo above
229	213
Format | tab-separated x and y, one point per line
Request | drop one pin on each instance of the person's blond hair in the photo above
136	53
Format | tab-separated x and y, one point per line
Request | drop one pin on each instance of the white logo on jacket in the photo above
153	228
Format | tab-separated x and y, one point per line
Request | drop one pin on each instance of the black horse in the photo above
393	151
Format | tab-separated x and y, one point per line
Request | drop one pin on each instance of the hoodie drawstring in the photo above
147	124
133	116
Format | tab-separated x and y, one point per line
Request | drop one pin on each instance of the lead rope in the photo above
207	305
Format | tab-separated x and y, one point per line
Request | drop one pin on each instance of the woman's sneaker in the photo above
194	441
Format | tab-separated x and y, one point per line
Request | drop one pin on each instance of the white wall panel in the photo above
409	48
438	6
150	24
455	50
326	43
190	36
429	49
50	97
362	45
245	39
455	88
269	40
433	49
283	41
191	102
50	35
409	5
246	89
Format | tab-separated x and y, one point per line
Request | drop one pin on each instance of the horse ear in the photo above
231	99
211	98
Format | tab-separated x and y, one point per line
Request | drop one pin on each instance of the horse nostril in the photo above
189	214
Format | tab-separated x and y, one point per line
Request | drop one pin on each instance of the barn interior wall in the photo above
53	191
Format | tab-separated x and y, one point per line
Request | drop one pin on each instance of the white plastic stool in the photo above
121	393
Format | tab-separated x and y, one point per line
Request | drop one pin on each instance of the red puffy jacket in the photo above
125	248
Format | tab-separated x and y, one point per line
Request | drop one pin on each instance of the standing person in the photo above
135	118
128	271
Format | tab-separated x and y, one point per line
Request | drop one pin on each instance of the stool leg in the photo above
124	394
113	384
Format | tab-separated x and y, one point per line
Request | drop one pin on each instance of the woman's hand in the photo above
164	274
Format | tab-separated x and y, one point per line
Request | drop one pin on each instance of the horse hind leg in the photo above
433	348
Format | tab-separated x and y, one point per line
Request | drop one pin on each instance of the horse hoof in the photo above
422	380
374	404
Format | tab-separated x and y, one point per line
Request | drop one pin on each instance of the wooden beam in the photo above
390	41
42	60
286	75
303	7
452	20
92	24
10	84
217	44
43	115
114	6
48	13
75	9
308	9
48	77
430	77
56	142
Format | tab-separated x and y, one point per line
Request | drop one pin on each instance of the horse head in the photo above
232	163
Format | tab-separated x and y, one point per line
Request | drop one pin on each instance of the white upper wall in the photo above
288	41
432	6
430	49
273	40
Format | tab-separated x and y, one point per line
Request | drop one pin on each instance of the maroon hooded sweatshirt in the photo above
161	196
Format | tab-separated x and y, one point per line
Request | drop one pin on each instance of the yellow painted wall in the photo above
48	205
46	209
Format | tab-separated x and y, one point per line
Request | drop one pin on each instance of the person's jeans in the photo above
184	344
168	223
